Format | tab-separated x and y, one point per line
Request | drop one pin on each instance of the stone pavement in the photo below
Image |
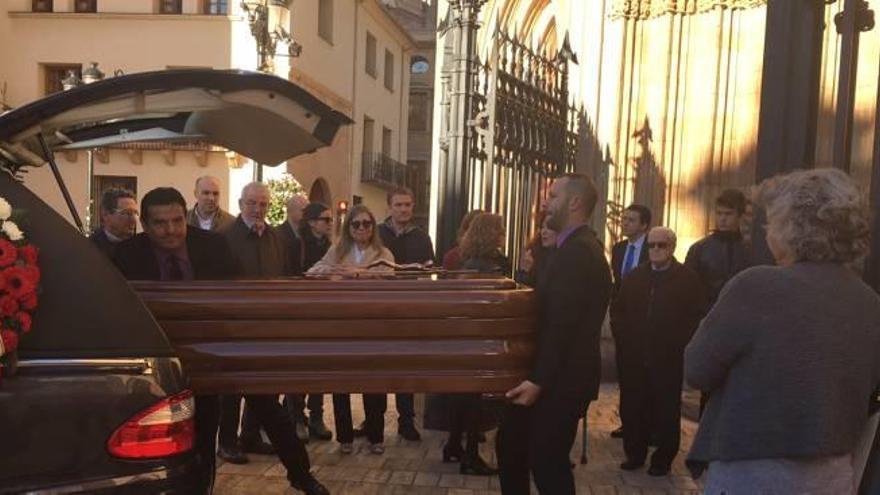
416	467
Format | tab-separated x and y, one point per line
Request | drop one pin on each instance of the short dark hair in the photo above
733	199
161	196
399	191
581	185
643	211
110	198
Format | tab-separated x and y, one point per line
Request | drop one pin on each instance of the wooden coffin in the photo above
418	335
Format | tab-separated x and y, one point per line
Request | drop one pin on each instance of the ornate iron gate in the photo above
525	133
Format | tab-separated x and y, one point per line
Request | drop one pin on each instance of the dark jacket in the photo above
208	254
258	256
618	254
573	291
222	220
654	315
293	247
412	246
791	356
717	258
314	249
108	247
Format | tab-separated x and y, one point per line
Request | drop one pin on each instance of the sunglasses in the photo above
357	224
324	219
658	245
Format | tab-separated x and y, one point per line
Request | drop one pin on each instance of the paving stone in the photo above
402	477
426	479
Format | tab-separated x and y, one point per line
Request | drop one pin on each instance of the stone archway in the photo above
320	192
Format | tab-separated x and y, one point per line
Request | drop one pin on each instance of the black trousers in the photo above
230	416
207	419
375	406
406	409
296	406
651	411
465	412
538	440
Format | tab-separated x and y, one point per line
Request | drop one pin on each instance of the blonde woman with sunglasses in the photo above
358	247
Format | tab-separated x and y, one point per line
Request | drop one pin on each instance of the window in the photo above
41	5
371	55
386	141
325	20
85	6
170	7
216	7
389	70
55	73
369	124
418	111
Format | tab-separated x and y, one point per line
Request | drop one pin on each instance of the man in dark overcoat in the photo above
654	314
540	424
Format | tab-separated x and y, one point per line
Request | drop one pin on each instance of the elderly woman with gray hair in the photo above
791	353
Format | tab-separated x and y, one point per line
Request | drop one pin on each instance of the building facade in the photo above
359	72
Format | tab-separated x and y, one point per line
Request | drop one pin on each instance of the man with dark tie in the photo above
168	250
626	255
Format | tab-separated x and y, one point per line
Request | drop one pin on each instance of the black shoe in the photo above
318	430
310	486
409	432
631	465
232	455
256	446
475	465
656	470
452	453
618	433
361	430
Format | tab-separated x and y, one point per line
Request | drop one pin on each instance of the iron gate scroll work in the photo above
525	133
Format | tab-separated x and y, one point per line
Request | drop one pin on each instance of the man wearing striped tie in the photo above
625	256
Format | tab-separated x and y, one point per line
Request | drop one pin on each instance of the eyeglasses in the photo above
127	213
357	224
658	245
324	219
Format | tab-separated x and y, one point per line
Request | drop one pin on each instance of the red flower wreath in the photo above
19	283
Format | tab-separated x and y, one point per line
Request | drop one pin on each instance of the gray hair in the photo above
670	234
816	215
297	198
253	185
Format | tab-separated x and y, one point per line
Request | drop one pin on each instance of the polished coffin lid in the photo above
423	335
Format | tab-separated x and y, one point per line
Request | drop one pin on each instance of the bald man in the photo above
206	214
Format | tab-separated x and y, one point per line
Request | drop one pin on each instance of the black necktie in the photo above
175	272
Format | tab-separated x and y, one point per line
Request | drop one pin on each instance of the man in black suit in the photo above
168	250
540	424
290	233
626	255
118	209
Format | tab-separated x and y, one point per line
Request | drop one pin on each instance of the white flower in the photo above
5	209
12	231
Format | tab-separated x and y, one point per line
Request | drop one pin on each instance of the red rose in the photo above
24	321
8	305
33	272
28	301
10	340
8	253
28	254
19	281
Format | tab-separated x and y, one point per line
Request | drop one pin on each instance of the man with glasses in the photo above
206	214
119	216
307	235
654	314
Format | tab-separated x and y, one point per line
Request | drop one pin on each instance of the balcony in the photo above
387	173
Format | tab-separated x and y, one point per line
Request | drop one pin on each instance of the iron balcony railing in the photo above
383	171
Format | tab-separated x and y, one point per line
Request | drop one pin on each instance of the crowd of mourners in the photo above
786	357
